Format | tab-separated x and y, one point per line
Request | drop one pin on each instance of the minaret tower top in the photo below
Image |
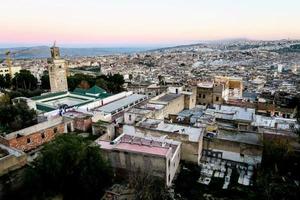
55	54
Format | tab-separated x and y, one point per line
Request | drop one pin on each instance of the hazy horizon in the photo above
136	23
133	46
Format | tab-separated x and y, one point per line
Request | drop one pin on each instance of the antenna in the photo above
54	43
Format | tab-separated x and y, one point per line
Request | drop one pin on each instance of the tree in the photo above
148	187
102	83
45	82
24	80
111	83
16	117
4	99
7	78
77	79
115	83
5	81
69	166
2	81
84	85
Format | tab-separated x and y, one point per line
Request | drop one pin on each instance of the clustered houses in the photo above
213	125
220	90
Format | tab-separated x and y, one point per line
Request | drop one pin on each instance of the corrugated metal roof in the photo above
119	104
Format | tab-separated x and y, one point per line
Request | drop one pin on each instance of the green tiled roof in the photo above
79	90
44	108
48	95
88	96
95	90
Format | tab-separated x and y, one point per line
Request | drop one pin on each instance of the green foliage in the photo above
68	166
45	82
279	157
24	80
101	82
74	81
148	187
24	93
111	83
4	99
5	81
16	117
115	83
270	185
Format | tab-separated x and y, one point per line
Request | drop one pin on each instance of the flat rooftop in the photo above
194	134
242	137
119	104
168	97
53	101
76	114
196	112
139	111
205	84
232	113
141	144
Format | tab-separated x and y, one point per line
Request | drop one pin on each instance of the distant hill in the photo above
44	52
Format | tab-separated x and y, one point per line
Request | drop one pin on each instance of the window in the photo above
55	130
169	163
204	96
217	98
199	95
43	135
28	140
129	117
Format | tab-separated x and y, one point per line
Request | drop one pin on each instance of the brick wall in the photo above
34	140
83	124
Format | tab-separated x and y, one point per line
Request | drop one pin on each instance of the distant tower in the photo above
57	71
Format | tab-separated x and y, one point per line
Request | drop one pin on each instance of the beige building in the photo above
233	146
11	159
190	137
220	90
205	93
128	153
5	70
57	71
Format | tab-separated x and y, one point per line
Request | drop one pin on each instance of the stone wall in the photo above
14	160
190	151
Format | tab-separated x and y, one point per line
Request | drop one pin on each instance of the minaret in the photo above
57	71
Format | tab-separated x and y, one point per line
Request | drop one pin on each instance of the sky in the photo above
116	23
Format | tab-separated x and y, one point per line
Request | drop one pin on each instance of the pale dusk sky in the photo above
84	23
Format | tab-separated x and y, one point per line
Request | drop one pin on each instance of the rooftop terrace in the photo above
146	145
194	134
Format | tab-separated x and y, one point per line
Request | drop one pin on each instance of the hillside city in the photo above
213	120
